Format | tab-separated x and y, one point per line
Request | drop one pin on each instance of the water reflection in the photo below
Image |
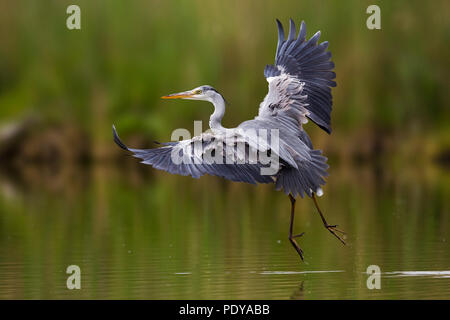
298	293
433	274
139	233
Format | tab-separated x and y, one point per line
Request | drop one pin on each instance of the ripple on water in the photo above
432	274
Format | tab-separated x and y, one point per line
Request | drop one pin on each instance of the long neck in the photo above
215	121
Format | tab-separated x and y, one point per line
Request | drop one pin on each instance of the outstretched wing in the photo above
300	81
208	153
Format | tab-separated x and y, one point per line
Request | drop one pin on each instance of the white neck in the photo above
215	121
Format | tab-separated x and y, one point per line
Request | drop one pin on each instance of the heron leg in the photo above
291	227
331	228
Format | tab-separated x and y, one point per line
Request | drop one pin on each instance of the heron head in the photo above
200	93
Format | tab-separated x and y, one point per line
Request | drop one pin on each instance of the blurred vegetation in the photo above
391	99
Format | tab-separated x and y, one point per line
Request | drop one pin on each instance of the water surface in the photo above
142	234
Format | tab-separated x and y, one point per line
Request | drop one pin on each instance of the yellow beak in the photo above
178	95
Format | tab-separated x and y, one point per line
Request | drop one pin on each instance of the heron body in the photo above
299	84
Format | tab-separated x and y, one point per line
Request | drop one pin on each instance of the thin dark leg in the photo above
291	236
331	228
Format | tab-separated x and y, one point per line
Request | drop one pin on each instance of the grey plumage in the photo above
300	84
305	62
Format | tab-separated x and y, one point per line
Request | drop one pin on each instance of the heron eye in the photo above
197	91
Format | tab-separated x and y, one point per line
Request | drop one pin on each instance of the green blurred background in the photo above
68	195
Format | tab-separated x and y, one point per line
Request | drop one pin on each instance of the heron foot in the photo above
296	246
291	227
298	235
334	231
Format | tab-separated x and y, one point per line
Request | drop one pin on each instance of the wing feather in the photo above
301	78
230	168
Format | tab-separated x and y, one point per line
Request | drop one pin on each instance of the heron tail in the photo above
307	179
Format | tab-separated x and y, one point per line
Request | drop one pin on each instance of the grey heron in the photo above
299	84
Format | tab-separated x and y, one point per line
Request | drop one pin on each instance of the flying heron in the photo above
300	84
